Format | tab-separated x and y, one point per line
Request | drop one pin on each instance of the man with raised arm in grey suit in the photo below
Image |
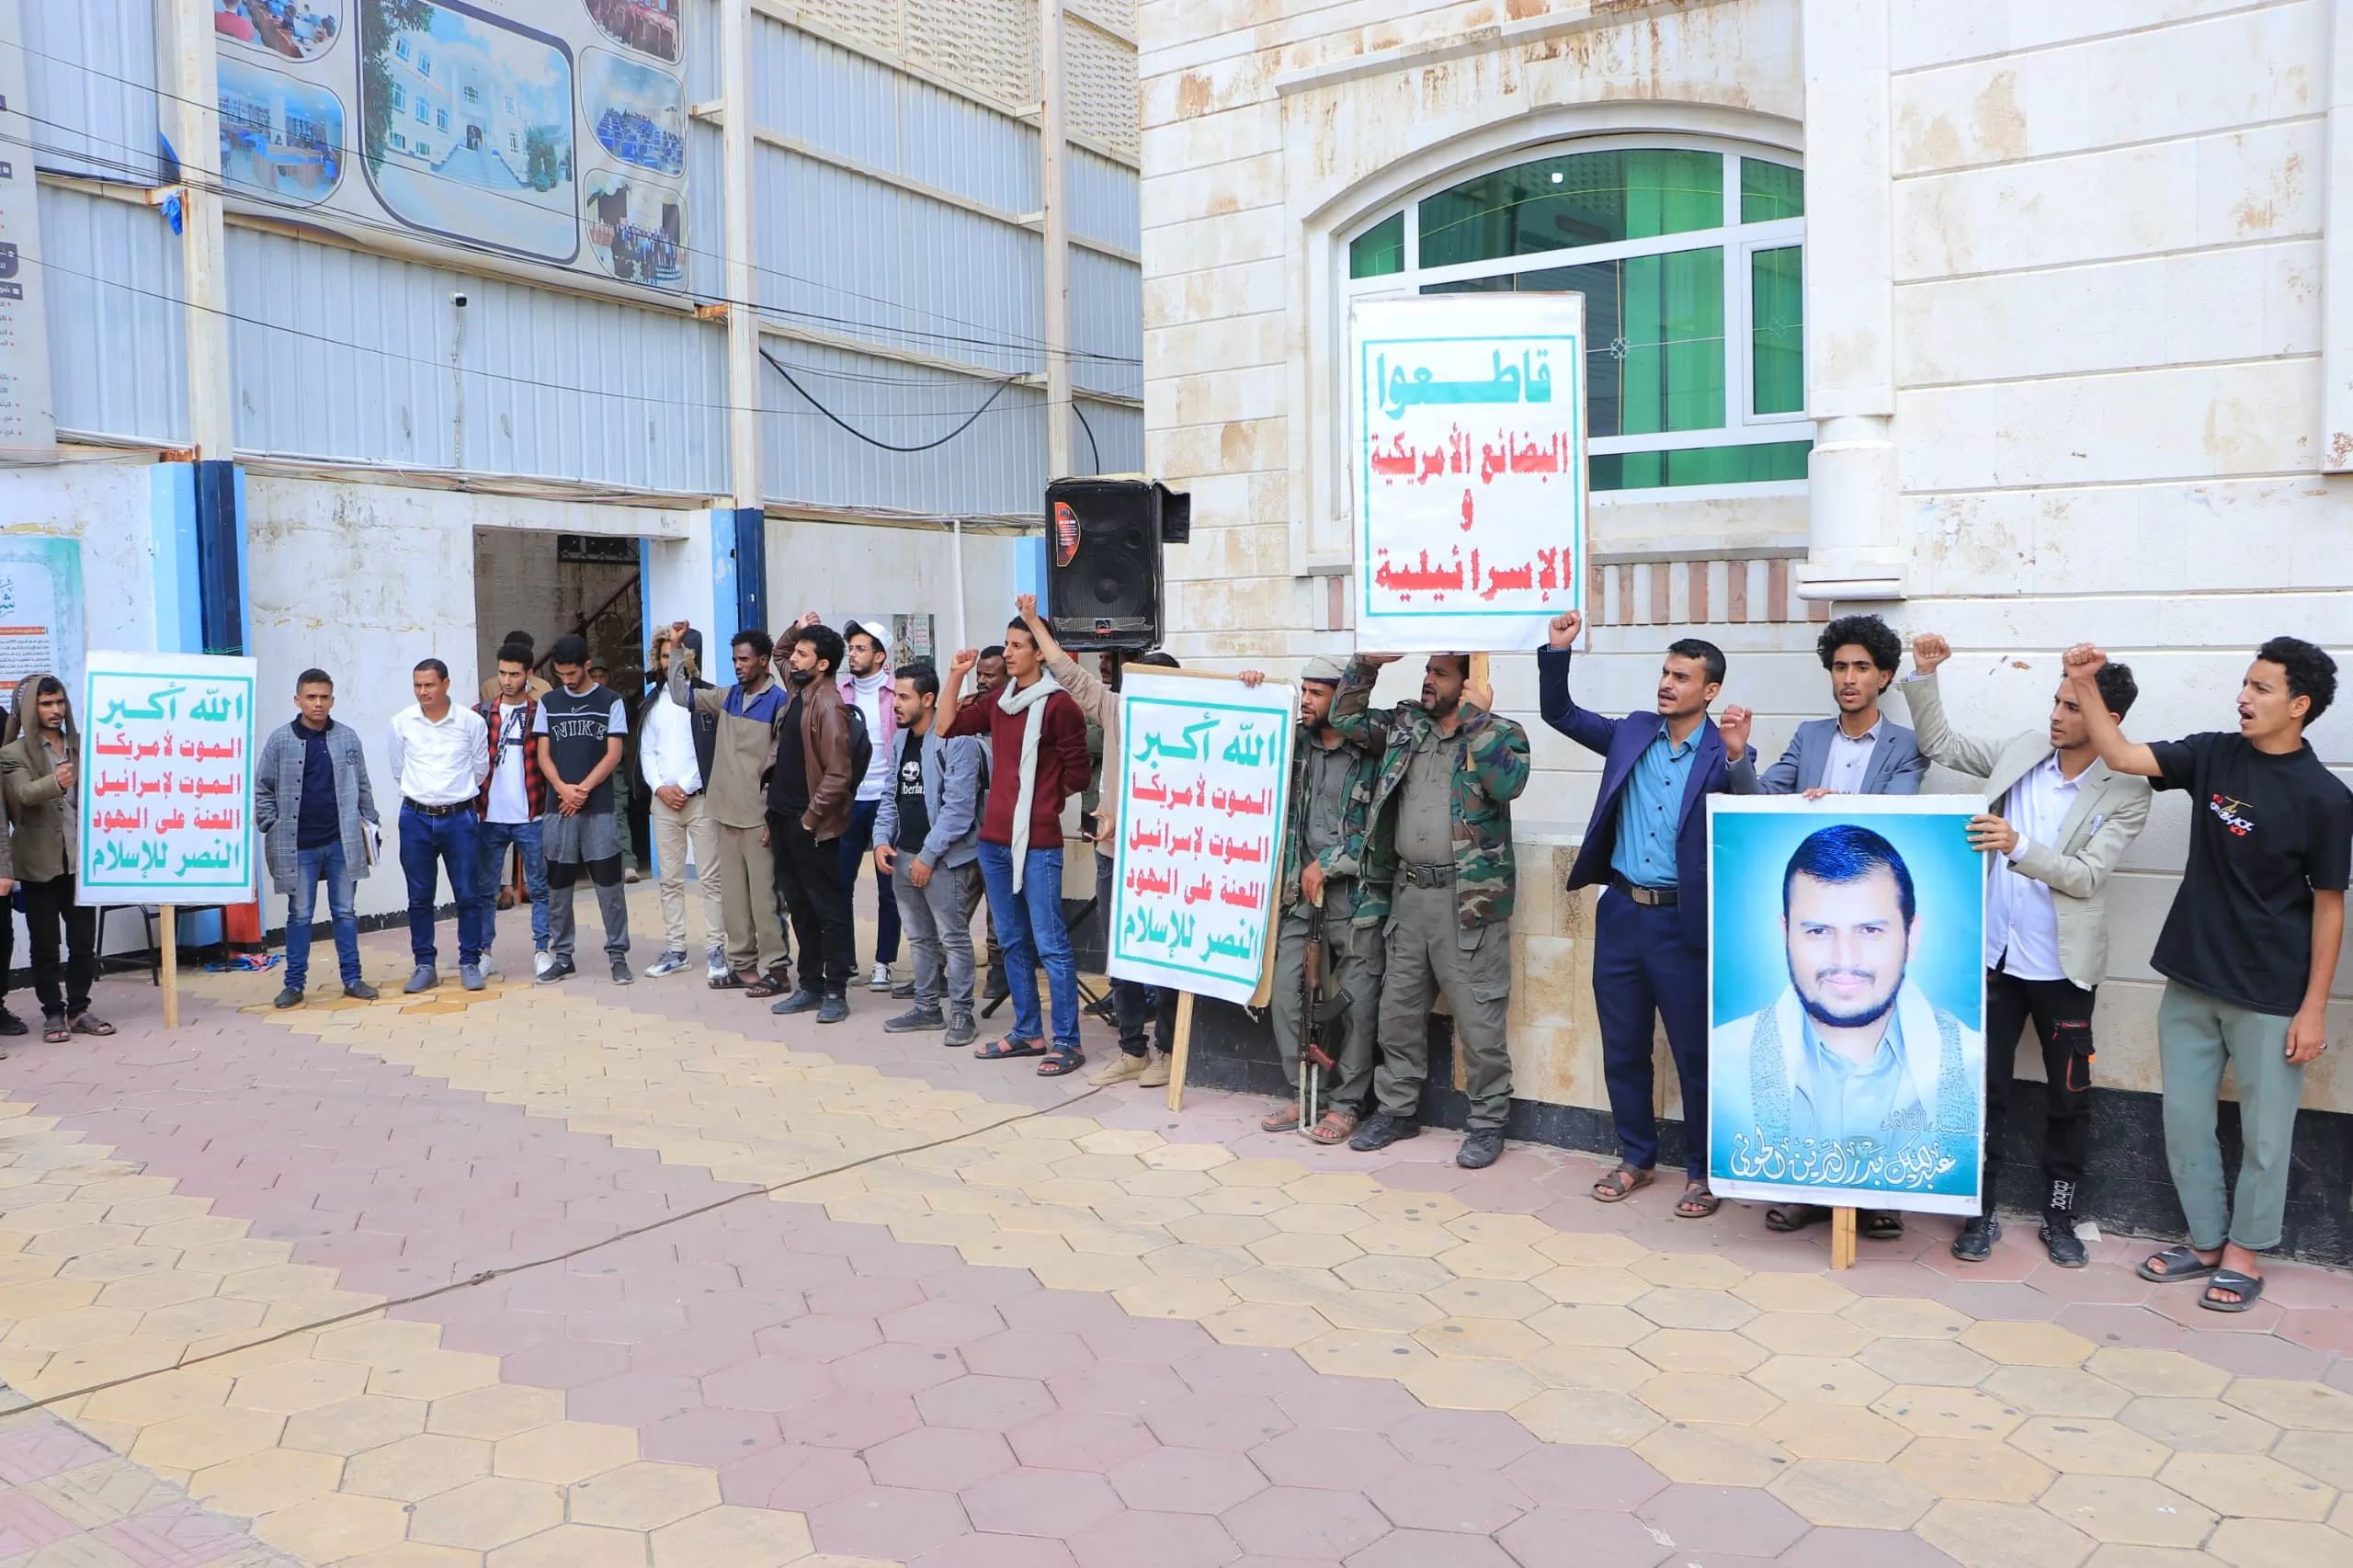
1862	751
2060	820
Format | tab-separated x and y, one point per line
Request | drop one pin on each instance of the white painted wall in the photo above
840	570
2107	277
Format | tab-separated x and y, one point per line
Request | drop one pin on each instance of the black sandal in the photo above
1785	1218
2179	1263
1058	1063
1880	1224
2248	1288
53	1029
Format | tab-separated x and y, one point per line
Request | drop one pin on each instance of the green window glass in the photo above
1699	465
1656	324
1379	250
1776	314
1770	190
1583	198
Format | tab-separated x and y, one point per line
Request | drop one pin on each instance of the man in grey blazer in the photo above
2061	821
927	839
314	811
1862	751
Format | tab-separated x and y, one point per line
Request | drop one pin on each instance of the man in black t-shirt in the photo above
580	726
2248	951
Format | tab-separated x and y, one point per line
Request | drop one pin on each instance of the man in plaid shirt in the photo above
514	797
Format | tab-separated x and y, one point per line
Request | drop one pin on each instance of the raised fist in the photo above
1928	651
1563	632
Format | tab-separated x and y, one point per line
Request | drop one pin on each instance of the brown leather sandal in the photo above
1335	1127
1621	1183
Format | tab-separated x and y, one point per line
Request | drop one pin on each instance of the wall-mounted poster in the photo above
528	127
1847	1001
41	610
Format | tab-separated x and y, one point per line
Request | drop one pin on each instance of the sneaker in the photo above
540	961
798	1001
2059	1239
469	976
715	964
10	1024
1975	1243
360	991
622	973
1481	1149
1155	1071
425	978
834	1008
290	997
558	970
1381	1130
903	992
882	981
1124	1068
961	1028
920	1016
633	875
670	963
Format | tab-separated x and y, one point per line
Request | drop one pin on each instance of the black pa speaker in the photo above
1103	566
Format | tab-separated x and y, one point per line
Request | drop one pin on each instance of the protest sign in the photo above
1204	780
1470	470
1847	1001
166	780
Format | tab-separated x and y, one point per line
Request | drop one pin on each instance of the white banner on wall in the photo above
166	785
554	131
1470	470
1204	780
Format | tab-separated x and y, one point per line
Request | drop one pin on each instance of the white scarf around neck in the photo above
1028	704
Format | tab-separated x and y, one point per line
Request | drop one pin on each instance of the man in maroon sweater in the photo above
1037	760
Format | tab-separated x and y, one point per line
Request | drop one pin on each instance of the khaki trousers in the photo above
688	834
1431	951
747	901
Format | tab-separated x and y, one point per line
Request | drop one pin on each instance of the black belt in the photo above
1658	898
1414	875
452	808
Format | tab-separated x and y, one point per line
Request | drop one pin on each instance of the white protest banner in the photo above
1470	470
166	780
1205	779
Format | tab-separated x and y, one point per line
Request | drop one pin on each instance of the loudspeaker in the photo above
1103	566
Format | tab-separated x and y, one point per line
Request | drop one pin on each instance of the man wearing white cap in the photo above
1333	780
866	683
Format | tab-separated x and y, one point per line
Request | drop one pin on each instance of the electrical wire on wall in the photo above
970	420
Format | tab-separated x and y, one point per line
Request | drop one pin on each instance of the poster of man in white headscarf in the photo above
1847	1001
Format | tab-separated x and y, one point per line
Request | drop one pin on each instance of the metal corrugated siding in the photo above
1104	204
701	20
117	341
706	212
1118	437
997	465
90	82
828	97
841	253
1107	319
336	353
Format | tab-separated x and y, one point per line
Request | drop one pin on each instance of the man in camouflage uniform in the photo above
1324	844
1440	815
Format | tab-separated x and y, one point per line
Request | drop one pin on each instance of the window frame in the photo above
1738	243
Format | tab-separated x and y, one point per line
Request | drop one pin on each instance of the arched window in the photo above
1689	256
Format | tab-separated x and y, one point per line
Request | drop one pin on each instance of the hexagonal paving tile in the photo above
2128	1509
2198	1425
2081	1446
1981	1468
1947	1412
2248	1486
1842	1432
1852	1495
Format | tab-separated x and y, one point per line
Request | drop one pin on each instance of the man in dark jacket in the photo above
1648	841
811	792
313	809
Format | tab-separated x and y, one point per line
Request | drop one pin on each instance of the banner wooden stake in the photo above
169	955
1842	1238
1180	1050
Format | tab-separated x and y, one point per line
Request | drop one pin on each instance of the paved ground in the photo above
1026	1334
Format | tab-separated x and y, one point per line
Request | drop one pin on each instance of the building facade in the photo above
346	355
2027	325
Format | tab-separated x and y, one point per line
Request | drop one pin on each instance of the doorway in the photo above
551	586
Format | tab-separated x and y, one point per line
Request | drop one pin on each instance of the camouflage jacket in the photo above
1344	859
1493	772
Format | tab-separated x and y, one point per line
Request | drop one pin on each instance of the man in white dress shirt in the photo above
440	754
2061	821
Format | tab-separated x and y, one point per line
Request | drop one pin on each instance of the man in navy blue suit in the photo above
1648	841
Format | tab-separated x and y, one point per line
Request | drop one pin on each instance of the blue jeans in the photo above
1029	924
495	838
857	846
310	865
428	843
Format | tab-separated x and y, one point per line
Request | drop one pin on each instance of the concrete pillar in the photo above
189	106
1054	145
1855	547
742	255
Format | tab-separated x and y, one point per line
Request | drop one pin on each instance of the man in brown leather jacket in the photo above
811	789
